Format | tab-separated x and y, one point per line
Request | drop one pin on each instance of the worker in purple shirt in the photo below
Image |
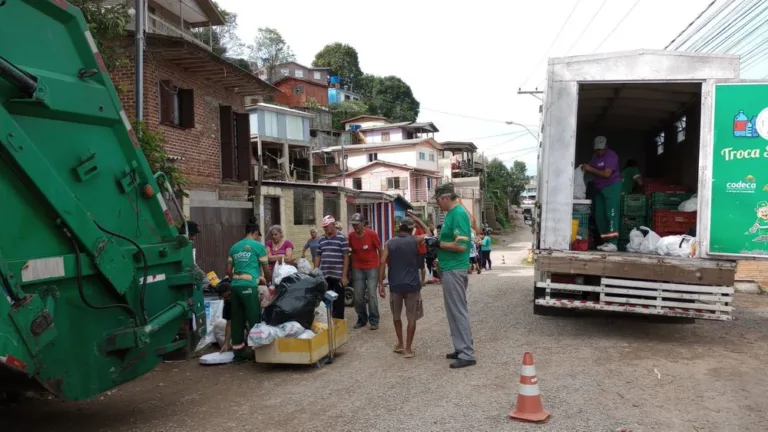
606	174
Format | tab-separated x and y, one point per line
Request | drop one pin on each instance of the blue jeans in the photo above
366	296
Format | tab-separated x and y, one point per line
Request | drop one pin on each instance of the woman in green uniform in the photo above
247	261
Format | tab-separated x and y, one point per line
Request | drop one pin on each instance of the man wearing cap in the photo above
606	180
453	246
333	261
365	246
401	255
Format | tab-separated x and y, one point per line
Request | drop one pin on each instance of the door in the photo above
733	211
271	211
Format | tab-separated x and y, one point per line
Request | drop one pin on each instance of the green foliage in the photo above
106	23
504	185
343	61
153	146
518	180
344	110
390	97
270	49
225	42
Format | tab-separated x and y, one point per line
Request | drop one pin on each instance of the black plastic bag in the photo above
296	298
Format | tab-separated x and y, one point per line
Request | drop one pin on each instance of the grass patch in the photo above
526	261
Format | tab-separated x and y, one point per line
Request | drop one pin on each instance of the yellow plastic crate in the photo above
302	351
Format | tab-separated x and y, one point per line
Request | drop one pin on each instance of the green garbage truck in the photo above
96	284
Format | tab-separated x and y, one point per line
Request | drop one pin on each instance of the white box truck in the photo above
683	116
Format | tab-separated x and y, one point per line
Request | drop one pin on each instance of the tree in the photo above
518	179
225	42
344	110
106	23
390	97
498	178
343	61
270	50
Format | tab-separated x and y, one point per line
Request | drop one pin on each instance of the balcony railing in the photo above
322	119
421	194
157	25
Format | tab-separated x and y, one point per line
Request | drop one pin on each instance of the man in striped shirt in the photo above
333	261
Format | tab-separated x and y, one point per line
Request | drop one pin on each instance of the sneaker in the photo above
359	325
607	247
374	326
461	363
452	356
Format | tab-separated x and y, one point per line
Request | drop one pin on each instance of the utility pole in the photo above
139	63
482	193
343	165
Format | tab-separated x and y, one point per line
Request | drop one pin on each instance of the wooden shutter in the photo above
244	151
166	102
384	184
187	107
226	125
404	183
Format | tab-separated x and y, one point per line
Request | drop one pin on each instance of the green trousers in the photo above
246	310
607	212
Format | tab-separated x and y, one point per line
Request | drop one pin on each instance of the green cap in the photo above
445	189
761	204
407	222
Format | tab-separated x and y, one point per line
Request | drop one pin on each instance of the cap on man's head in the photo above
600	143
357	219
328	220
445	189
407	222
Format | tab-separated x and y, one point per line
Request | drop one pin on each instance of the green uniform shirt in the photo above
486	244
246	257
628	183
456	223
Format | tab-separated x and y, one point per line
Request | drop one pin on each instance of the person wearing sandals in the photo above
401	256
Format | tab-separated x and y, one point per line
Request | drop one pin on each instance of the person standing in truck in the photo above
247	261
606	180
630	177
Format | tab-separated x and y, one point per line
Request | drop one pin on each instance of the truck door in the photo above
733	183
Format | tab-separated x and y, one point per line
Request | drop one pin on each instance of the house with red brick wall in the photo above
297	92
196	100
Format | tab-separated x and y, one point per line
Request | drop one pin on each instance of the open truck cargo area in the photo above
673	114
95	281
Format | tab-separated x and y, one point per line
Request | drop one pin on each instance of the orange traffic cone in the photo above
529	407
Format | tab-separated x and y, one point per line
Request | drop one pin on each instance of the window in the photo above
303	207
422	156
346	98
660	144
299	89
317	75
270	124
331	204
298	73
372	157
391	183
294	128
431	157
177	105
384	136
680	125
357	183
285	72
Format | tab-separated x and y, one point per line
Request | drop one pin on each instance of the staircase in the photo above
490	216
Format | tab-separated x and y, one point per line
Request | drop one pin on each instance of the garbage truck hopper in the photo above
95	280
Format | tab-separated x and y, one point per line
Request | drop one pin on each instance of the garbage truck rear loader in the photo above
95	281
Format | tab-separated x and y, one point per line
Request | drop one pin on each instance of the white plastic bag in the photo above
308	334
635	240
304	266
689	205
217	358
579	187
213	311
220	331
282	270
650	241
321	313
291	329
262	334
677	245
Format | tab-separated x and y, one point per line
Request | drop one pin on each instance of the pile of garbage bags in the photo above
294	309
644	240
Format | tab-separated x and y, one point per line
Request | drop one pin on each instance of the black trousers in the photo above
337	309
486	259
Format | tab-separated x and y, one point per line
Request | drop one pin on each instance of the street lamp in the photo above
511	123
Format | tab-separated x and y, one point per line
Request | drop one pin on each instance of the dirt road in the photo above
596	373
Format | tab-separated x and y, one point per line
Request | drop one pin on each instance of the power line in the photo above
703	24
465	116
733	18
586	27
617	25
490	136
709	6
557	36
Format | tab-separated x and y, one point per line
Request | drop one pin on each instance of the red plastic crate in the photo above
673	222
666	188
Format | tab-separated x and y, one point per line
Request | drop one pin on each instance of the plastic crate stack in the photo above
581	213
634	214
663	201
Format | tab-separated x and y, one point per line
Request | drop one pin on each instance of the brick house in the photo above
196	100
297	92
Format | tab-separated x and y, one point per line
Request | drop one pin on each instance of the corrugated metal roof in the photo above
379	145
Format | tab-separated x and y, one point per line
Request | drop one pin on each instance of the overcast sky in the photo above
469	58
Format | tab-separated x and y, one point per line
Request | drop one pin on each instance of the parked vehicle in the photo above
95	281
681	116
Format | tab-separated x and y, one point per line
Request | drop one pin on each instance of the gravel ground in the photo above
596	373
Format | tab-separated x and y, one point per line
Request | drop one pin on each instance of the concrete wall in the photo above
395	134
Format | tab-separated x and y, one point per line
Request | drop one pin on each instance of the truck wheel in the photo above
349	297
